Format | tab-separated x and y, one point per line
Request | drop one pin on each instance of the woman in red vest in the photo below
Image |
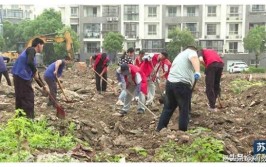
138	61
153	62
101	62
213	69
133	81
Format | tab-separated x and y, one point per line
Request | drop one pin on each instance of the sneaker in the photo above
119	103
212	109
140	111
122	112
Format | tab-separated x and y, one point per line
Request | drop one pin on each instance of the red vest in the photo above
138	61
168	63
98	58
210	56
147	66
133	70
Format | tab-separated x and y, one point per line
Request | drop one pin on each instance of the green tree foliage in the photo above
47	23
9	36
2	43
113	43
179	38
255	41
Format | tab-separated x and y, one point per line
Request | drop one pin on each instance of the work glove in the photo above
197	75
136	98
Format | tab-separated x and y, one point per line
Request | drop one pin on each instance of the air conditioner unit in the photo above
217	36
237	18
109	18
115	18
227	37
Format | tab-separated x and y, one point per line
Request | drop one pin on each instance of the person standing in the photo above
54	71
213	69
3	69
101	62
133	81
184	71
24	69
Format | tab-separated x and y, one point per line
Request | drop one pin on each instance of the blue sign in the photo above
259	147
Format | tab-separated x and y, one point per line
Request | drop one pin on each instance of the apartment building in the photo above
15	14
220	26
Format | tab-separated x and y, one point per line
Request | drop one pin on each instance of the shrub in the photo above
253	69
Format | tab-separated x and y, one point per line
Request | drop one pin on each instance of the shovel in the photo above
161	99
60	86
105	80
60	113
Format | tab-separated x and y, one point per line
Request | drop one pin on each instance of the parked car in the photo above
238	67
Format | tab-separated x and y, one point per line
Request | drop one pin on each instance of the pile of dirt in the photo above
238	123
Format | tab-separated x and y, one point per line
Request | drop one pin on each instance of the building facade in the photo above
221	26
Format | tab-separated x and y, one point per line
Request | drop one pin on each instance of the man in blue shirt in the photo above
3	69
23	71
52	72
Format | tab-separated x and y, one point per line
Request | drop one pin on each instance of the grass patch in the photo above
238	85
21	136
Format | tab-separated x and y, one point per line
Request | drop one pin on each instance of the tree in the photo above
9	36
179	38
255	41
113	43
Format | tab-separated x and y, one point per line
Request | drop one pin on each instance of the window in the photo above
92	47
171	27
234	11
191	27
258	8
152	30
92	30
233	29
253	62
110	27
131	30
172	11
131	45
211	29
152	12
210	44
74	11
153	45
211	11
90	11
110	11
233	47
74	27
191	11
253	25
131	12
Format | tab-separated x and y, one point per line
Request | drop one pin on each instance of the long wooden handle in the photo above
155	116
60	86
104	79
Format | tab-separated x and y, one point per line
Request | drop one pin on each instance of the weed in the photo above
29	135
206	149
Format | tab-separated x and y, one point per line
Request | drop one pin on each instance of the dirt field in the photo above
241	120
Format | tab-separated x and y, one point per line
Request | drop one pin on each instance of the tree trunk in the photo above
257	58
